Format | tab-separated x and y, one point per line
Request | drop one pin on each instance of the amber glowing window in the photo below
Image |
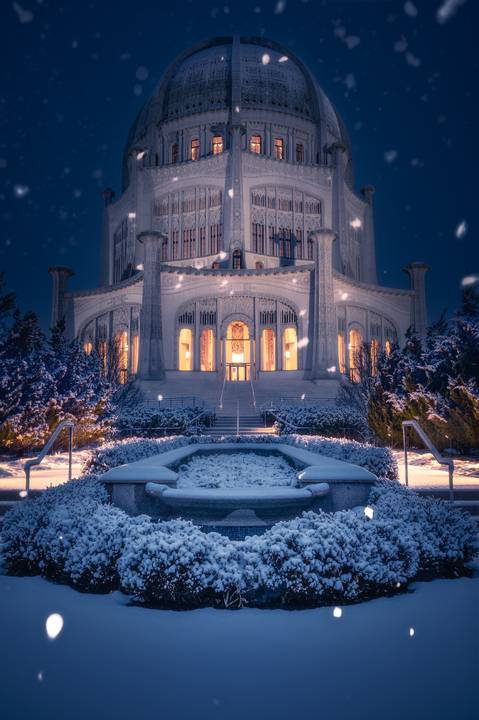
355	354
217	144
255	144
207	350
185	349
195	149
268	350
121	341
290	349
134	354
342	353
299	153
88	347
279	149
174	153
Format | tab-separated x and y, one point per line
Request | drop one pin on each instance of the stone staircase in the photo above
465	498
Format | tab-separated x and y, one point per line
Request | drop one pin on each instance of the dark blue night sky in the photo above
74	75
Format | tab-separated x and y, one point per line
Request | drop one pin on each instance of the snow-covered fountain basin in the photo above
242	484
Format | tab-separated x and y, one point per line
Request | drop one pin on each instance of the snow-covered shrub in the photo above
378	460
175	563
338	422
444	537
150	421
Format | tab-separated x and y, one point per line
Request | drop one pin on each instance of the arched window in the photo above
388	346
185	349
237	260
268	350
259	265
290	349
255	144
299	153
279	149
217	144
195	149
121	340
135	345
174	153
88	347
207	350
355	349
374	355
342	353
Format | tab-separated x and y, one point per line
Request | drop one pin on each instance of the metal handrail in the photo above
237	419
432	449
252	390
222	391
36	461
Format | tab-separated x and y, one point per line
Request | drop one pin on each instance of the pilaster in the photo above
417	272
325	346
151	357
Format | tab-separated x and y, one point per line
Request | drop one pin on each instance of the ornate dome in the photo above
219	74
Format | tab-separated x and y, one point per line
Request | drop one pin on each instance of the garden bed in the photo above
236	470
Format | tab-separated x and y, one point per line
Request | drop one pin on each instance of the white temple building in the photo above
239	247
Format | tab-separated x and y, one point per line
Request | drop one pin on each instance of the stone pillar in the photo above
60	276
325	345
151	362
416	272
107	196
368	246
338	209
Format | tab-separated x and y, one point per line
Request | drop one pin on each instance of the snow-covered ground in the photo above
233	470
52	471
411	656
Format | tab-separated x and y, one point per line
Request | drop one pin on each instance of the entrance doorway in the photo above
237	352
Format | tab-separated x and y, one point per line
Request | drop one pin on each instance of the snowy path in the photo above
113	661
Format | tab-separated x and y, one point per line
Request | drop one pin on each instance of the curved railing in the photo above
36	461
432	449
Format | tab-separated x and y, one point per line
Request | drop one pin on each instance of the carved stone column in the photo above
416	272
60	276
151	362
338	209
368	246
325	345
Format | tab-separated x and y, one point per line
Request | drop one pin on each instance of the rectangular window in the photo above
215	238
174	153
217	144
189	243
299	153
202	242
195	149
310	249
272	245
164	249
279	149
174	245
258	238
299	243
255	144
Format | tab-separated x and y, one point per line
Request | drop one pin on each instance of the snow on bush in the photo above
71	534
339	422
378	460
241	469
148	420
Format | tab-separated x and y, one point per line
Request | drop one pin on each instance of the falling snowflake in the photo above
356	223
337	612
283	59
3	163
137	90
350	81
410	9
412	60
160	398
401	45
280	7
461	229
54	625
469	280
390	156
24	16
303	342
369	512
412	632
20	191
352	41
231	193
142	73
265	59
447	9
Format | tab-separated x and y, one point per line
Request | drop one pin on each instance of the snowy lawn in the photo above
239	469
116	662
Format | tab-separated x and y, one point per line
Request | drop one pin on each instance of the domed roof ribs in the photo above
234	176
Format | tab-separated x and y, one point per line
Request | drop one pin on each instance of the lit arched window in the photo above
268	350
121	340
134	354
279	149
88	347
174	153
355	349
185	349
207	350
290	349
217	144
374	355
255	144
388	346
195	149
341	353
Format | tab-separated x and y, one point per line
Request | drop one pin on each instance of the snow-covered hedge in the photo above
148	420
378	460
71	534
337	422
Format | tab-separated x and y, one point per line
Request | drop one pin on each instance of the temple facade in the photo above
239	246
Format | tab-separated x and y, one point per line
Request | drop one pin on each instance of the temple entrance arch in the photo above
237	352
